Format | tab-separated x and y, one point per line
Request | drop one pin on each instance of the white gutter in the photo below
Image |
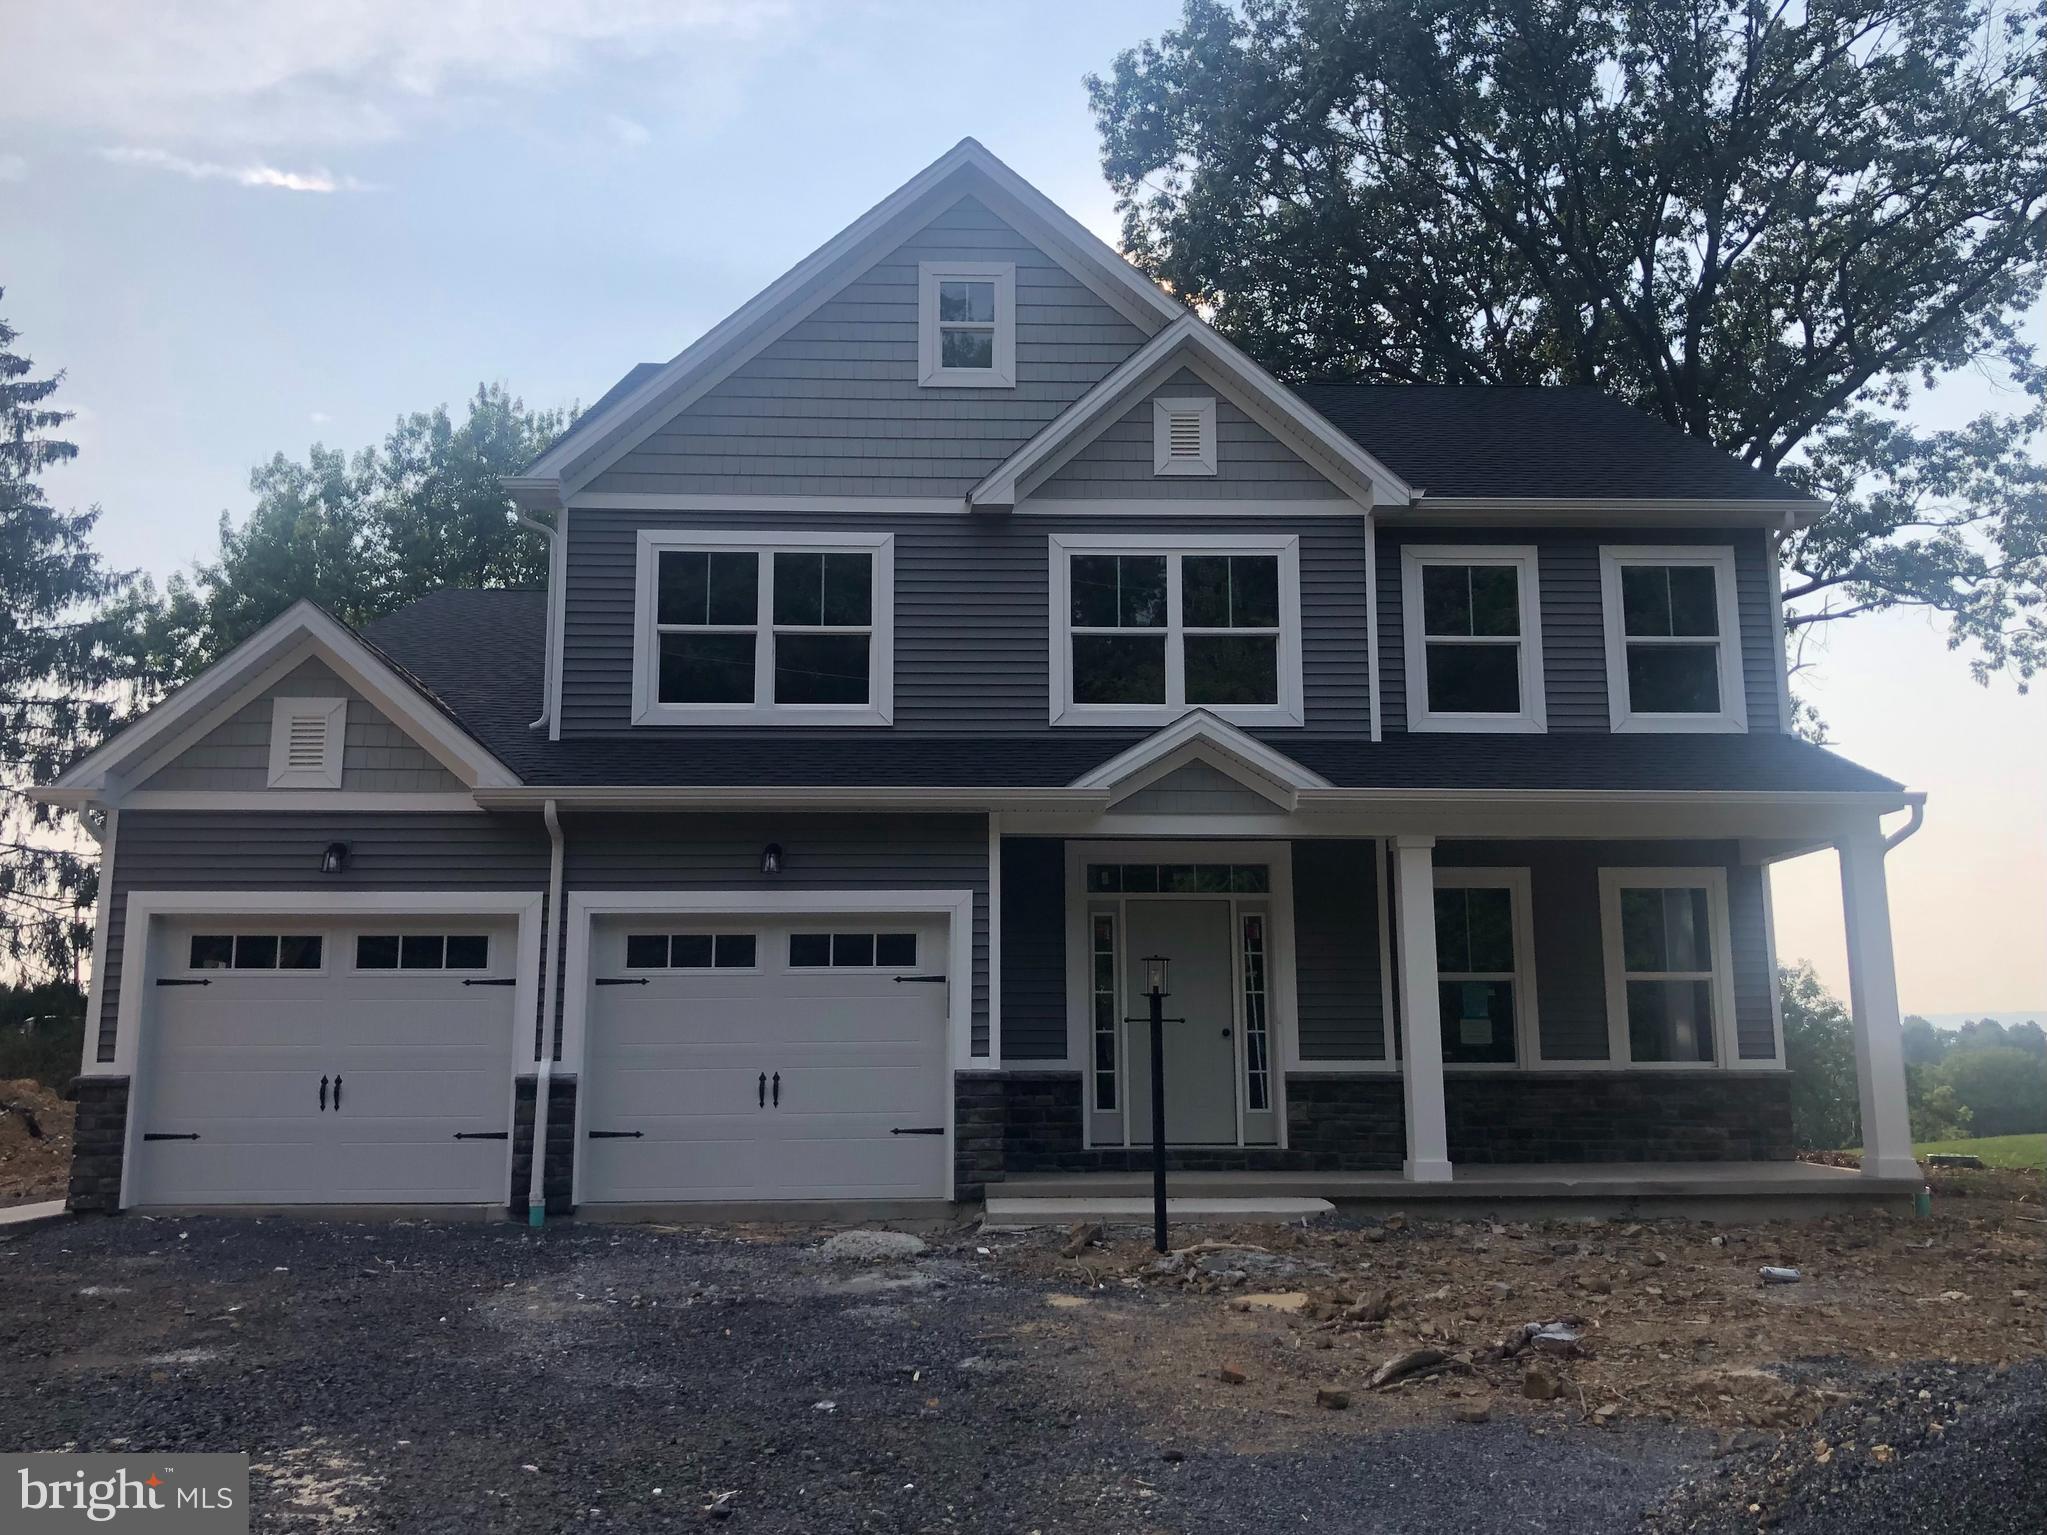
550	1010
1918	808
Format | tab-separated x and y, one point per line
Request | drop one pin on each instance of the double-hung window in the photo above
966	325
1144	629
791	628
1669	966
1473	638
1673	639
1485	966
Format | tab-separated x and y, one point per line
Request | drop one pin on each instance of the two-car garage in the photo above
722	1049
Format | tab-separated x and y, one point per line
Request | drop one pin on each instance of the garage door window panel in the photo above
691	951
422	951
255	951
853	951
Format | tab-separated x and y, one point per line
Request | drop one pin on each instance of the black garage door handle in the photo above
481	1135
508	980
621	980
921	1130
616	1135
158	1135
178	980
929	980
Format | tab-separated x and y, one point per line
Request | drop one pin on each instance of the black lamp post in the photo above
1155	993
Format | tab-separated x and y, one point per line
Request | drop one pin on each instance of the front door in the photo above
1201	1052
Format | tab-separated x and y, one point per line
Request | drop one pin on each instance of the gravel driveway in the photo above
422	1377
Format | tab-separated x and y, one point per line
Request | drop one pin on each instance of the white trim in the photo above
932	373
137	976
1763	876
740	501
372	800
271	653
994	1051
1533	715
628	421
102	916
1289	706
1787	715
1421	1075
1281	509
1164	460
1282	1017
286	713
1201	736
1527	1018
1596	511
1613	879
957	906
880	706
1732	715
557	623
1216	362
1375	674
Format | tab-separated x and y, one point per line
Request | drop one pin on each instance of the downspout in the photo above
547	662
1918	819
550	1013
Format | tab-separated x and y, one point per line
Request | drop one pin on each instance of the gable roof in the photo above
1204	737
610	429
1536	441
271	653
1187	342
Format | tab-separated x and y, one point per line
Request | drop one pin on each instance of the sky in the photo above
242	228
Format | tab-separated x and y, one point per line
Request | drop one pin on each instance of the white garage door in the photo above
304	1062
785	1059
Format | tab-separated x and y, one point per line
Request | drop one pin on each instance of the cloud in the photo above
13	168
256	77
247	175
319	418
629	134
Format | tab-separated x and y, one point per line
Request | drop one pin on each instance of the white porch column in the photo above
1421	1027
1873	1001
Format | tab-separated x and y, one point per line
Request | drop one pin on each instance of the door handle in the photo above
778	1089
337	1092
323	1095
764	1090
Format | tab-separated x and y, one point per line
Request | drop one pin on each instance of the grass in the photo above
2027	1152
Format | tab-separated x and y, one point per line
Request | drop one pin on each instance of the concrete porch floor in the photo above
1697	1190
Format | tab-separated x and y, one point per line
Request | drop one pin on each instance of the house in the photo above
955	628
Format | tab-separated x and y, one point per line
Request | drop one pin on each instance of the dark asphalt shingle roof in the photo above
482	652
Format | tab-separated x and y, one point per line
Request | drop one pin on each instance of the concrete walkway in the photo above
14	1216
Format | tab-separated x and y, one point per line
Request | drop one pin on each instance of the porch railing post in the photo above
1421	1029
1873	1004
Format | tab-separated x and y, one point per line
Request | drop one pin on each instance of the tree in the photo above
1979	1034
56	671
1819	1052
1766	225
359	535
2027	1036
1924	1044
1937	1111
2005	1089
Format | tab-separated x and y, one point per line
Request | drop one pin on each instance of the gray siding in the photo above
972	614
377	756
1250	462
833	406
1570	973
1033	949
1196	789
722	852
1573	632
212	850
1341	1003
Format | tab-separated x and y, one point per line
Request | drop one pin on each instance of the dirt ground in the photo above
1674	1323
35	1143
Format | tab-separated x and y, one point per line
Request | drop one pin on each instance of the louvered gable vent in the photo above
1183	436
307	736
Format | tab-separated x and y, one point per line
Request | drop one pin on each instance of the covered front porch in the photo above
1514	997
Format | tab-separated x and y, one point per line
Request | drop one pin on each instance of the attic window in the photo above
966	325
1183	436
306	738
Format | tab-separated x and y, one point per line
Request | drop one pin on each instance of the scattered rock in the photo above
1172	1457
1335	1398
1080	1238
1400	1366
1472	1412
1230	1375
871	1247
1539	1384
1283	1300
1373	1307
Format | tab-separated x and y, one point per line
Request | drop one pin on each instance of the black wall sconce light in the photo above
335	858
771	858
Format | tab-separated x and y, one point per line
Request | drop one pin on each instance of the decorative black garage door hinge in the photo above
929	980
921	1130
616	1135
621	980
160	1135
179	980
507	980
481	1135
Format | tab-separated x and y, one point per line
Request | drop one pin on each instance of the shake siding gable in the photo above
1573	632
972	620
833	406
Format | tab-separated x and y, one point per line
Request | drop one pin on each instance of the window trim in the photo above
1612	881
1519	884
1622	716
654	542
333	745
931	373
1163	409
1287	710
1533	716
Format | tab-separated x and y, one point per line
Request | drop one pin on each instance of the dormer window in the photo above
1183	436
966	325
